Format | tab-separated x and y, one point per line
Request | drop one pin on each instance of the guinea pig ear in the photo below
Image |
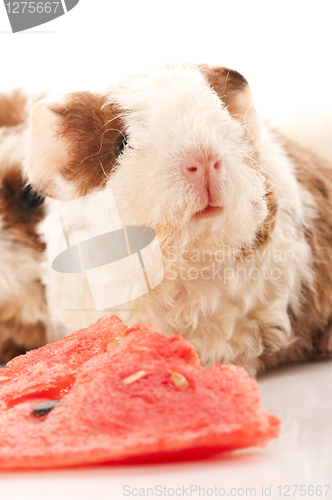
72	143
234	91
47	150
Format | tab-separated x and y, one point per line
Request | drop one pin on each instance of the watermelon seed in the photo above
3	378
44	408
179	380
112	344
135	376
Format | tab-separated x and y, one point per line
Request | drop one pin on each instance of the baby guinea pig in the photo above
243	215
23	309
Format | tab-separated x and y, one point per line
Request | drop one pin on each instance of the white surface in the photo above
300	395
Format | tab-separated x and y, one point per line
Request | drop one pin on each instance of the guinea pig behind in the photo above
243	216
23	310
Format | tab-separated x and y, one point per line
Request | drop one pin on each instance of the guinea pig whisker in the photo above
101	166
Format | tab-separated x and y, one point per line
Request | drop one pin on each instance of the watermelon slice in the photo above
111	393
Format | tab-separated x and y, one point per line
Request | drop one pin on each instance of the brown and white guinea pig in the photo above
243	215
23	309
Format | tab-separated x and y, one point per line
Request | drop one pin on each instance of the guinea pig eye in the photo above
120	144
30	198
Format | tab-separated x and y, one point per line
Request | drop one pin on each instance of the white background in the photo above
282	47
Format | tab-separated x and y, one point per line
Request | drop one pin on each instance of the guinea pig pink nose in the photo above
198	168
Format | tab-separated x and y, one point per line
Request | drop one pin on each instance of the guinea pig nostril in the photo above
217	165
192	169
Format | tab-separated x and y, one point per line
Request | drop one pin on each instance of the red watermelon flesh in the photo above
148	398
50	371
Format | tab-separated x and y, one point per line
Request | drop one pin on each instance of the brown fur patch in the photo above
20	215
9	350
91	132
234	91
225	82
312	326
19	219
264	233
16	338
12	108
20	212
